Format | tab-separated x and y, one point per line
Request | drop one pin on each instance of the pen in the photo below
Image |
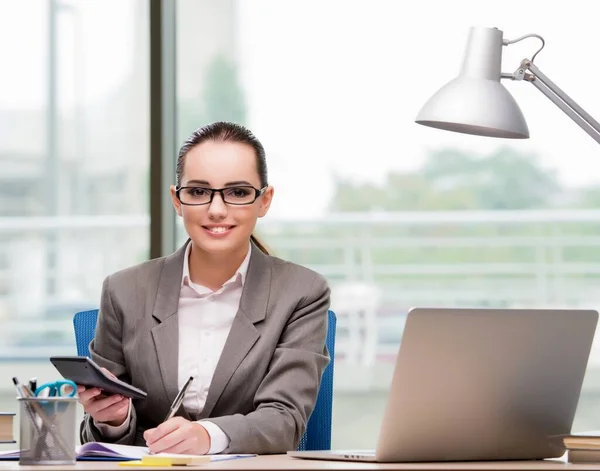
33	384
179	399
19	387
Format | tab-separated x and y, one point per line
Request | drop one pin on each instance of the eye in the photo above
239	192
197	192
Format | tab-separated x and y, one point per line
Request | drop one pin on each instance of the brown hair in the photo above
223	131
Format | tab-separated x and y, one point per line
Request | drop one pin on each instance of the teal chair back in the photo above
318	429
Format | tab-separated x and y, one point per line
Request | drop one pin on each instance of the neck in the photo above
213	270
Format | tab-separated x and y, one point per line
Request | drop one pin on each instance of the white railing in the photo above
49	266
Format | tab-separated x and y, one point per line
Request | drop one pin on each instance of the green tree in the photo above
223	96
506	179
221	99
451	179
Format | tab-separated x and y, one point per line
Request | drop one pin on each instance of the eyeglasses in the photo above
236	195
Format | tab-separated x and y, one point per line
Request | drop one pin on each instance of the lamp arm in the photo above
537	78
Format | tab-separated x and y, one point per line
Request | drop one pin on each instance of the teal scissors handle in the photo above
58	388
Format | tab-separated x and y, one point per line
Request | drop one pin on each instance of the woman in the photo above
248	327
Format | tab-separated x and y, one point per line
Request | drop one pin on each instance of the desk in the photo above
284	463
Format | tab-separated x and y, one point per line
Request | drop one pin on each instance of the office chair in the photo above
318	430
84	323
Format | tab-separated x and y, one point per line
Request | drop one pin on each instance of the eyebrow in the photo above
204	182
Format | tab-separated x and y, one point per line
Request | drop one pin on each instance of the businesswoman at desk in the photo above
248	327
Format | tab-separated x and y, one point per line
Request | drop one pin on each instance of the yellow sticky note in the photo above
171	459
138	463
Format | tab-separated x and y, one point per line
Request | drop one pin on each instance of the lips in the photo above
218	229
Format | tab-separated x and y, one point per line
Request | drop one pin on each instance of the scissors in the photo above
60	388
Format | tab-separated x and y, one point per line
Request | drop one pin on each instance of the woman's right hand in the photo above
112	410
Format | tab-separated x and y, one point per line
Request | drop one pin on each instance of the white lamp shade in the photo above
475	106
476	102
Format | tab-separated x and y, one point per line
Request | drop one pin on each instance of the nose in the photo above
217	209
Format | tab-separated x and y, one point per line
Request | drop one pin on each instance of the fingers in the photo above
112	408
181	448
155	434
168	436
115	411
178	436
103	408
86	396
98	405
170	443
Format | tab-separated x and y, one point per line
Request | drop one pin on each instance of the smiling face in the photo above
218	227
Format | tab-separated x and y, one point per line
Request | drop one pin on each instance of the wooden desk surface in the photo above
283	462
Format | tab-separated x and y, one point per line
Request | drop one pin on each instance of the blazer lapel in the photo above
166	333
243	334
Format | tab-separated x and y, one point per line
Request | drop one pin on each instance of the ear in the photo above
265	201
175	200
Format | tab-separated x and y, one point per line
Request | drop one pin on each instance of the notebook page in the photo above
9	454
230	457
112	450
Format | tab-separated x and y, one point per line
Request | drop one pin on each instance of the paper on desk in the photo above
220	457
96	450
230	457
103	450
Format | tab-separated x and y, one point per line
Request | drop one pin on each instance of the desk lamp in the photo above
477	103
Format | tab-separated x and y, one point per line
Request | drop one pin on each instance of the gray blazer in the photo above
267	379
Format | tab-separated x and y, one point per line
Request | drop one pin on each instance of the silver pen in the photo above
179	399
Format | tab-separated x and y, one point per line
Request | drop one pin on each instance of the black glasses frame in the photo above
257	193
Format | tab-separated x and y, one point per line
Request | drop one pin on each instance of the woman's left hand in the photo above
178	435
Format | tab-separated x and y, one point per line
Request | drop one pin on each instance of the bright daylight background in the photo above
394	214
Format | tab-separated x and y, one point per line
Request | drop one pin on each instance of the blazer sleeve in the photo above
287	395
107	350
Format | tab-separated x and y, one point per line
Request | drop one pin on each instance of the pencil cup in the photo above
47	427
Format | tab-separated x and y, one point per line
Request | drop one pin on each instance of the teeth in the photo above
217	229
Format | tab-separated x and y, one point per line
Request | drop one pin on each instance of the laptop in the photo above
480	385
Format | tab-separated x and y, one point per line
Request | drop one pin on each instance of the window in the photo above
74	156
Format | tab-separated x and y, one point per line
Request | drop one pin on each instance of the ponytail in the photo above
259	244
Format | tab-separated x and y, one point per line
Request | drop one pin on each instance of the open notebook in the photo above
97	451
